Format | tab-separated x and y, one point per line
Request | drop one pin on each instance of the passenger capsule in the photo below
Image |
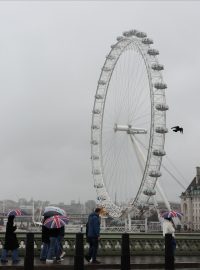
110	57
140	34
94	157
95	127
159	85
96	172
115	46
119	38
149	192
94	142
155	173
126	33
159	152
102	82
97	96
147	41
101	198
98	185
153	52
130	33
157	67
161	130
106	69
96	111
162	107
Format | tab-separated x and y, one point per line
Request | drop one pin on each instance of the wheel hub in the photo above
129	129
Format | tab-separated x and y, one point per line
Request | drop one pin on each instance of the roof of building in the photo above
193	186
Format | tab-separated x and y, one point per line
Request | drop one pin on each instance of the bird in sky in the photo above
177	128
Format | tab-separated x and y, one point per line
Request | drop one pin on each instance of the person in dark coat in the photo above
61	252
11	242
45	241
53	246
93	235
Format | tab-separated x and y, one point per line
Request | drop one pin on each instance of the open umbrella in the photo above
56	222
50	211
15	212
171	214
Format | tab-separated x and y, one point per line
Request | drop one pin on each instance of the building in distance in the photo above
190	204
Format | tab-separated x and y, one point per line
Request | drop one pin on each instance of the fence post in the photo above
169	255
29	255
125	252
79	252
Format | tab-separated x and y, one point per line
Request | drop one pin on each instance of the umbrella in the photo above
171	214
56	222
50	211
15	212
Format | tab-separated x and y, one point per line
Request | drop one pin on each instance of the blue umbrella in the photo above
50	211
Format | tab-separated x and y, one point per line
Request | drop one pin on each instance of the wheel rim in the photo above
125	164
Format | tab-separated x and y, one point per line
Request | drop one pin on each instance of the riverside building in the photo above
190	204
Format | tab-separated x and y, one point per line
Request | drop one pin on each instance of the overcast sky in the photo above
51	55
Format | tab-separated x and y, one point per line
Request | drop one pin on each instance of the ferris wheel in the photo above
128	125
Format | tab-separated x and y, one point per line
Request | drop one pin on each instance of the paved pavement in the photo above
113	263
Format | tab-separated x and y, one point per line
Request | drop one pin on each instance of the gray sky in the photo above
51	54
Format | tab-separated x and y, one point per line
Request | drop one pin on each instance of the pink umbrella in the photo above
15	212
56	222
171	214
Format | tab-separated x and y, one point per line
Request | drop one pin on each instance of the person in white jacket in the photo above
168	227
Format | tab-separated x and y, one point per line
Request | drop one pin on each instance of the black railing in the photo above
29	254
79	252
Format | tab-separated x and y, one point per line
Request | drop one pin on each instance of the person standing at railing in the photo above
11	242
93	235
60	251
52	255
169	228
45	241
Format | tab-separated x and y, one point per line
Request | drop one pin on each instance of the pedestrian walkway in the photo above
137	262
113	262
